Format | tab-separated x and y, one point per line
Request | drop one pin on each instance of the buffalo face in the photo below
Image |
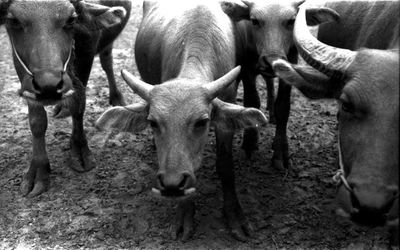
272	23
180	113
42	38
366	84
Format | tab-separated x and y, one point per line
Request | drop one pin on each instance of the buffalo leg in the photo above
394	236
250	99
237	222
81	159
184	220
269	82
280	159
36	180
106	59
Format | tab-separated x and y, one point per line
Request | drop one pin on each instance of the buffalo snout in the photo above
47	85
174	185
370	203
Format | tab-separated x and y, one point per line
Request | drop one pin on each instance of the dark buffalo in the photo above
54	43
268	25
366	84
248	59
187	50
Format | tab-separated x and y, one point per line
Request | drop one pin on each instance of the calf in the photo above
187	49
53	45
366	84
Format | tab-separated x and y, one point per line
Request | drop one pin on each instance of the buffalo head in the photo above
272	26
42	35
180	113
366	84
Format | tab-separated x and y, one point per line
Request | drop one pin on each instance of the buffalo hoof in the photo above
184	221
280	165
280	159
238	225
81	159
250	140
36	180
60	111
394	237
117	99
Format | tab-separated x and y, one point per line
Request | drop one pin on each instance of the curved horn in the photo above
214	88
298	3
329	60
248	3
139	87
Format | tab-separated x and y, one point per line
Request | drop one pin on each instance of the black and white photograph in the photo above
199	124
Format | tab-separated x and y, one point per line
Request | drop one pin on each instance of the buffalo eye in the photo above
201	123
255	22
14	23
153	124
347	106
70	21
290	24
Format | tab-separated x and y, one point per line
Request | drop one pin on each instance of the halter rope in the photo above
339	176
26	67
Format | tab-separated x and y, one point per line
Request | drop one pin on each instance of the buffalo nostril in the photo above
354	201
265	60
393	191
160	183
36	87
60	86
182	185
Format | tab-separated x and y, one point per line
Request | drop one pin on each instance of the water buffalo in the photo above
186	58
366	84
248	59
54	43
270	30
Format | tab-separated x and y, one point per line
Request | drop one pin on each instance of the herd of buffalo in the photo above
191	56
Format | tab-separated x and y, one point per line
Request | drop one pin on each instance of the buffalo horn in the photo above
138	86
214	88
329	60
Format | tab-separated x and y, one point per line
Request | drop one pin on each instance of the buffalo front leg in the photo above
106	59
183	223
237	222
280	159
36	180
81	159
269	82
250	99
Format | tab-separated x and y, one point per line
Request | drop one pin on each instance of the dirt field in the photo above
111	207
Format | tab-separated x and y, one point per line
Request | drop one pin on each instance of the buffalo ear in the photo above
236	10
320	15
113	16
131	118
312	83
228	116
97	17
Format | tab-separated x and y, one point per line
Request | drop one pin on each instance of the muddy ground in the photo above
111	207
